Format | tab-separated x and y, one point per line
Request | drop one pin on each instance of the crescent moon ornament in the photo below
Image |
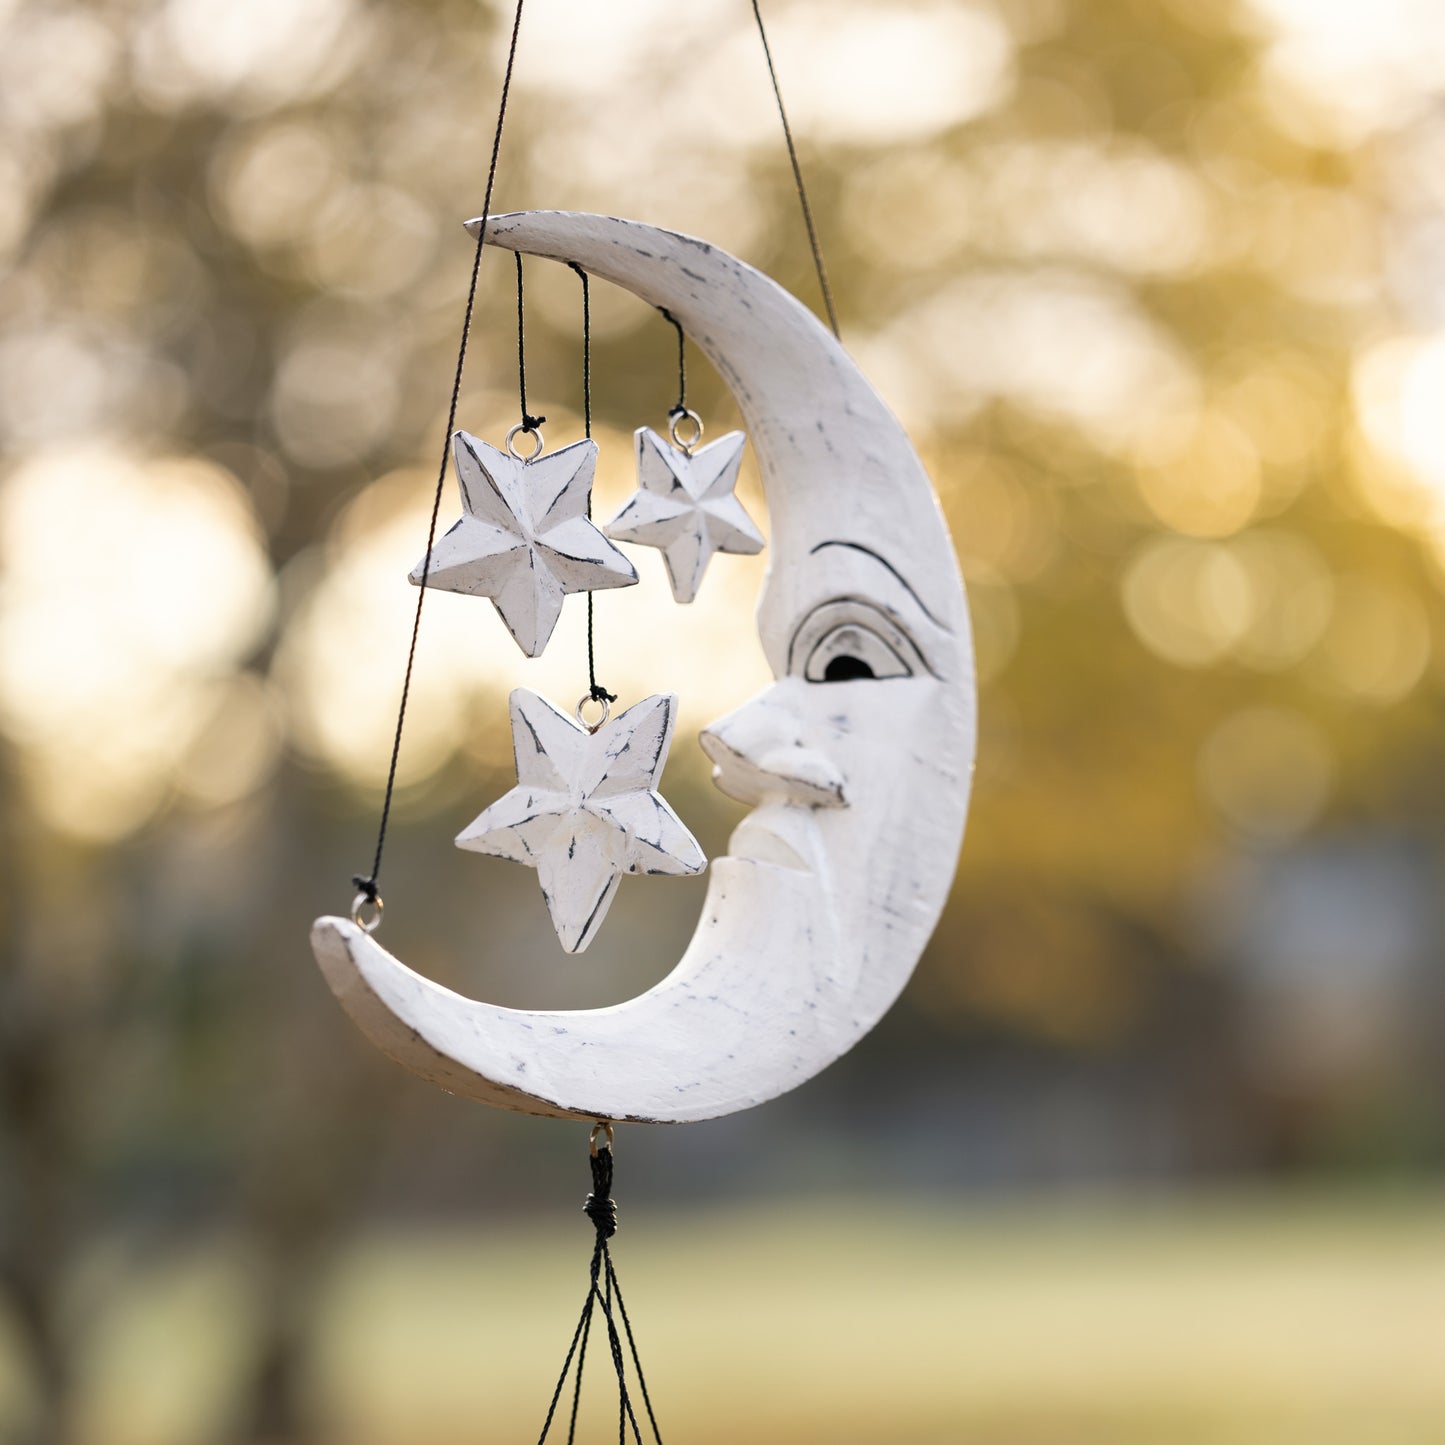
856	761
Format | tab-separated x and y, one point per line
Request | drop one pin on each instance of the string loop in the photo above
522	429
685	417
366	910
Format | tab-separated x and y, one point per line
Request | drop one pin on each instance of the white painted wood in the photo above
524	538
814	920
685	506
586	809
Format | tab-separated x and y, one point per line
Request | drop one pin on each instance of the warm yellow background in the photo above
1150	1150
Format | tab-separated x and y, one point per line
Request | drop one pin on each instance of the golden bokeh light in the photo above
268	52
1268	770
1378	644
997	336
132	589
1398	385
1337	70
1156	288
1292	597
1207	483
1188	602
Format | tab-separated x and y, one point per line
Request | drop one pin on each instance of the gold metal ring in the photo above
535	433
601	702
367	923
599	1128
678	418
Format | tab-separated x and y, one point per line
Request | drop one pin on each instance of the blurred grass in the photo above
1264	1321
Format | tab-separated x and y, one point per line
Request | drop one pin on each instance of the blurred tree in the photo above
1127	288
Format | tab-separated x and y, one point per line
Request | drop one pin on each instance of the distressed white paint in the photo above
685	506
833	883
524	538
586	809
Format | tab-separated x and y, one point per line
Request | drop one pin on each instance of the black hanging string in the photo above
530	423
586	355
367	884
679	408
632	1346
595	690
798	177
603	1290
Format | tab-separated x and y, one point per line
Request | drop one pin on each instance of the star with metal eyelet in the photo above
586	809
685	506
524	538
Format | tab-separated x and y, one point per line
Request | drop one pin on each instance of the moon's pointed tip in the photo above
332	941
329	926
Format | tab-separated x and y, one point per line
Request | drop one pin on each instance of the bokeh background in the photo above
1150	1151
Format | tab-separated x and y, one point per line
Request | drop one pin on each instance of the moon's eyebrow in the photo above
882	562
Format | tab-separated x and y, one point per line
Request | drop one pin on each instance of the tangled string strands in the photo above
367	884
595	690
813	245
603	1291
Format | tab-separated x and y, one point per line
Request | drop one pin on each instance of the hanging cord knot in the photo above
365	885
598	693
530	423
604	1293
599	1206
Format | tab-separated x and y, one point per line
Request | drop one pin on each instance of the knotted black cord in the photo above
577	1385
680	408
826	289
530	423
595	690
632	1345
367	885
603	1289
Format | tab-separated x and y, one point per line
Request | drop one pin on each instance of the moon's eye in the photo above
851	651
848	639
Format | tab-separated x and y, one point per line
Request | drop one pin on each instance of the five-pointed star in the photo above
524	538
585	809
684	505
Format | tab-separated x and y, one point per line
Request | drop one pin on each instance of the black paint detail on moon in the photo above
846	669
884	562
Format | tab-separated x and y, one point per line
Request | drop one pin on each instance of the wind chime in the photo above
855	762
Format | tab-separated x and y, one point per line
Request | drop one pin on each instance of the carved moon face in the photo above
856	760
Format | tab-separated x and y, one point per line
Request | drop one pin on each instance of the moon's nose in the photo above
763	750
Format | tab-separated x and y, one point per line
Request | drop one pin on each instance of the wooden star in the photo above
524	538
585	809
684	505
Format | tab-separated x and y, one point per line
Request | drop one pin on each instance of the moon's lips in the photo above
776	835
856	760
